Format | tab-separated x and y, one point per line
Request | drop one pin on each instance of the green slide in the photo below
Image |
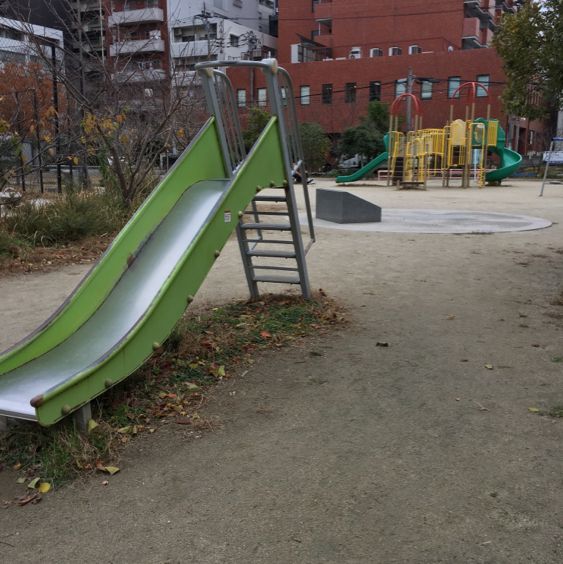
128	304
509	160
509	163
365	170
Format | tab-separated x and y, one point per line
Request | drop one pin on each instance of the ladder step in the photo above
267	267
271	241
272	254
260	212
277	279
270	199
267	226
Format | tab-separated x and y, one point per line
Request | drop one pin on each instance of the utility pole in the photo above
410	81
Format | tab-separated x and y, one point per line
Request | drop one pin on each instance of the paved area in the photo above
338	450
441	221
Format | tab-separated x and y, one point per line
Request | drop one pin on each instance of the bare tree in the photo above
127	104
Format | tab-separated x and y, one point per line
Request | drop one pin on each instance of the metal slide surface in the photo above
130	301
365	170
509	162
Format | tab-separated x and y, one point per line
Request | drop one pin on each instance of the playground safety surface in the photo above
442	221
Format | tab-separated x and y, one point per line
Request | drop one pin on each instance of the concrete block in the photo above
342	207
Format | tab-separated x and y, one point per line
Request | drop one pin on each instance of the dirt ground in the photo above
339	450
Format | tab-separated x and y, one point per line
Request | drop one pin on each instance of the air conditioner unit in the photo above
355	53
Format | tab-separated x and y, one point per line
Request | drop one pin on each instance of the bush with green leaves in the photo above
316	145
366	139
69	218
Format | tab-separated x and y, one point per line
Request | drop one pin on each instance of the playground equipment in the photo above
462	148
125	308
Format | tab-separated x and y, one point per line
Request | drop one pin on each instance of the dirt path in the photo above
342	451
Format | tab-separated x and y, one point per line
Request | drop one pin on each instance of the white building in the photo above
19	41
219	29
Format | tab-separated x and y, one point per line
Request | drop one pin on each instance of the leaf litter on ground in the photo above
206	347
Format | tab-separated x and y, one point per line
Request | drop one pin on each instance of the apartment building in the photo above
154	39
342	54
19	42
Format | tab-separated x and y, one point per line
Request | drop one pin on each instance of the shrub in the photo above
66	219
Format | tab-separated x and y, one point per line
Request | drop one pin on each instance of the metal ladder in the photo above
269	233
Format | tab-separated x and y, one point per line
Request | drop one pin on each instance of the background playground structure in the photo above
464	147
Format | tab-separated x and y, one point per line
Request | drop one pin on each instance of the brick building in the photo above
343	53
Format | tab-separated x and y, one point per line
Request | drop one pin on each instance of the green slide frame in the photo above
200	168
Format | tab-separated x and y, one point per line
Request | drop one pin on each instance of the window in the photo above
350	92
374	90
400	86
262	97
241	98
283	91
426	90
415	49
327	93
376	52
305	95
485	80
234	40
394	51
454	82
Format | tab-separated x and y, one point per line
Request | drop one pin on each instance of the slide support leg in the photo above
82	416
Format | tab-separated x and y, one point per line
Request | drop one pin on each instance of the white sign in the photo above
553	157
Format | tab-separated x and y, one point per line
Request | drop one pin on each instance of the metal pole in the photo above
22	175
56	118
410	80
38	136
551	145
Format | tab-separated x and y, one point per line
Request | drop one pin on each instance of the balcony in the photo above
323	10
138	75
474	9
127	17
132	46
198	48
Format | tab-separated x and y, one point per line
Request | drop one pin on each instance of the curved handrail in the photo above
474	87
402	97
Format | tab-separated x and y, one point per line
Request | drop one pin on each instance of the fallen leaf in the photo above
17	466
33	484
20	480
265	334
183	421
33	498
221	371
489	366
105	483
111	470
44	487
91	425
534	409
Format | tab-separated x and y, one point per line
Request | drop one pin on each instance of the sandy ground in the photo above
340	451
